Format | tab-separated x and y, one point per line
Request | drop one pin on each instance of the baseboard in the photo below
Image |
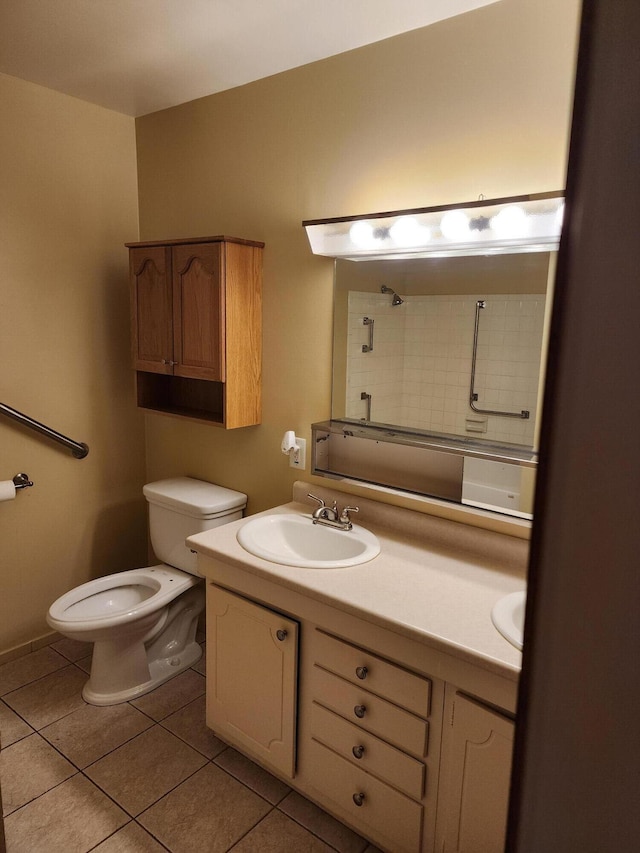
26	648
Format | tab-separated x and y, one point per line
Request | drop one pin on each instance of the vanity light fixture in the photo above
526	223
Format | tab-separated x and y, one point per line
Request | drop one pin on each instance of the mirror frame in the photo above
410	460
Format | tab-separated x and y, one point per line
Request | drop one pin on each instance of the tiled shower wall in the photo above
419	372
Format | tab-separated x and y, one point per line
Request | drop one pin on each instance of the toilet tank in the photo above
182	506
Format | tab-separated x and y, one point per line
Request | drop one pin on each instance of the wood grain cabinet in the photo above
252	659
475	777
196	319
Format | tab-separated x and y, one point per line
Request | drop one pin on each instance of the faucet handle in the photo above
321	503
344	515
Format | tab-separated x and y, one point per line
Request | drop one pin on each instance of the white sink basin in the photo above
508	617
294	540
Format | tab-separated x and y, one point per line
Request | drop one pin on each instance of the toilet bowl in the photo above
143	622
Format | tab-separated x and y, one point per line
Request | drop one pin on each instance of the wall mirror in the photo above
439	349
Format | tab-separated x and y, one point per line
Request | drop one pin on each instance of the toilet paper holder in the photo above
22	481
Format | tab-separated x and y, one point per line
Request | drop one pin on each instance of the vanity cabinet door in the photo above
252	655
474	785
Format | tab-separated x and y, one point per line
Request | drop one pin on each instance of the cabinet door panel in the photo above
474	794
151	309
251	677
198	306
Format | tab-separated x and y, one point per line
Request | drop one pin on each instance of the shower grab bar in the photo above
367	397
368	322
524	413
78	448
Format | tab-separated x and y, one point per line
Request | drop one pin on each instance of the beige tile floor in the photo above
143	777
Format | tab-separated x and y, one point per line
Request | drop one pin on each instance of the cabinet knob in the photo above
360	711
281	634
358	799
361	672
358	751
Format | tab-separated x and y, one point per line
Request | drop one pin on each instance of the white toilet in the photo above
143	622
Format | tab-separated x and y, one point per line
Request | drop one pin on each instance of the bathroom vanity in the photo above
381	691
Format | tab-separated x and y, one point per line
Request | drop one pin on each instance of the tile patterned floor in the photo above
143	777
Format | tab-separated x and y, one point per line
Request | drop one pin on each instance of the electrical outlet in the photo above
298	458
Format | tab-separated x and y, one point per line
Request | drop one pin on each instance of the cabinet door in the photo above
151	309
198	311
252	655
474	786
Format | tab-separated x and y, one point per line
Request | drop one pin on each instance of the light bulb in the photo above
361	234
455	225
406	231
510	222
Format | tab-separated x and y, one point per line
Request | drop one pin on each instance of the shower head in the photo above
396	299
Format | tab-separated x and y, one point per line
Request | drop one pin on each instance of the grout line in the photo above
251	828
135	818
43	794
65	664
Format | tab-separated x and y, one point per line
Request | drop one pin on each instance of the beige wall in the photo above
68	178
479	103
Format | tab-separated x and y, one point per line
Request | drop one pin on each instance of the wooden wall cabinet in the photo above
196	320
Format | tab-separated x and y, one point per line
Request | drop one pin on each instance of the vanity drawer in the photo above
381	677
370	712
391	817
368	752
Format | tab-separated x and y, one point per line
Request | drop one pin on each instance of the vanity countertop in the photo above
434	581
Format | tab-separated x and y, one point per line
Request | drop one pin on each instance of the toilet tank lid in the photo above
194	497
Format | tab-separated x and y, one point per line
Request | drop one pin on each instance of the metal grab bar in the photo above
78	448
524	413
22	481
368	322
367	397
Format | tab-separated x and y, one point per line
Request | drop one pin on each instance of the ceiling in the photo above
139	56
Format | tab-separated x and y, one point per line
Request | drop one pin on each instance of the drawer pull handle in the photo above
358	799
281	634
361	672
358	751
360	711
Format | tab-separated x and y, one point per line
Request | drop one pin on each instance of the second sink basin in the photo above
508	617
293	540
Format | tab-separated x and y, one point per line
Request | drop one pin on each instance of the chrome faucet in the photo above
328	515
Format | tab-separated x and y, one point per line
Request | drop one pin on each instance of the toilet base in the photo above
129	665
160	670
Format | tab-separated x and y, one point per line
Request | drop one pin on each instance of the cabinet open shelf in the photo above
174	395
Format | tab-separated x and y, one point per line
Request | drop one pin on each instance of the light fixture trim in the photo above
535	227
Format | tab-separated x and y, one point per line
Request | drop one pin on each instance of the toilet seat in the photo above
118	598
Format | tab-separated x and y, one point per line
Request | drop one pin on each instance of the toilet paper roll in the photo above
7	490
